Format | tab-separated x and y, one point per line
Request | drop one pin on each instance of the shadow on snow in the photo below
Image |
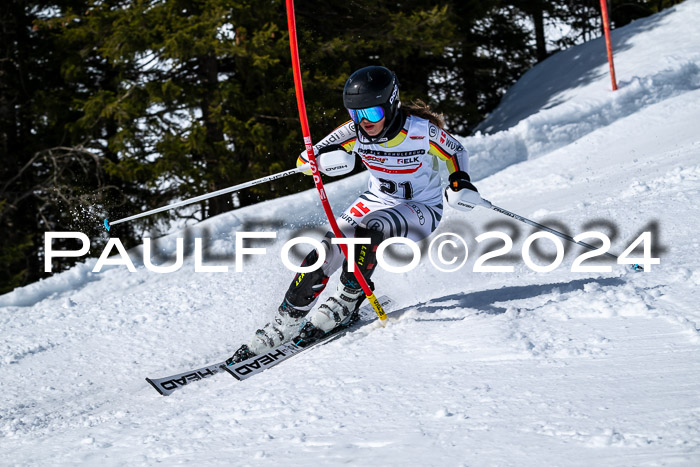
485	301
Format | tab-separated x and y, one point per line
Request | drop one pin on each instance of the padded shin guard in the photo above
365	257
305	288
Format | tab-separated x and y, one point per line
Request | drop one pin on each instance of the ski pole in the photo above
467	199
223	191
520	218
296	69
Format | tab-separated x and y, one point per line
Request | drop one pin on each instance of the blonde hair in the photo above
420	109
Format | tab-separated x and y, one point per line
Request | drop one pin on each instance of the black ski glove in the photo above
460	180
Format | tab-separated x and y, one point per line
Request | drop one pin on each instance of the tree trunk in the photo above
540	43
209	70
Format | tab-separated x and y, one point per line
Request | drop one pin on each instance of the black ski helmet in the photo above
373	86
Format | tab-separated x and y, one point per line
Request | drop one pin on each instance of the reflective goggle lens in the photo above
372	114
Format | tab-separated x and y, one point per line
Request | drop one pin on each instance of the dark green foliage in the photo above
623	12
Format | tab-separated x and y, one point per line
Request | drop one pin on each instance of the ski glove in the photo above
460	180
333	160
461	193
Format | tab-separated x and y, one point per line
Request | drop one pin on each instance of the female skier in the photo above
400	146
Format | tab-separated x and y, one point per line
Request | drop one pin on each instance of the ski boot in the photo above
281	329
341	308
301	296
341	318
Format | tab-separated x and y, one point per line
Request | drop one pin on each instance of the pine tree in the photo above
45	176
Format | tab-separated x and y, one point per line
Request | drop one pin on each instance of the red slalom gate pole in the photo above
291	24
608	43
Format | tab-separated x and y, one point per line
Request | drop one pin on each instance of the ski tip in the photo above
107	226
155	386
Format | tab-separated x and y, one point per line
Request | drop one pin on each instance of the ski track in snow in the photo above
519	368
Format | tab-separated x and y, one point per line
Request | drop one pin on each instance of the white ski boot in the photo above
285	325
338	309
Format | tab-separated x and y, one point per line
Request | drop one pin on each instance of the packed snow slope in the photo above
474	368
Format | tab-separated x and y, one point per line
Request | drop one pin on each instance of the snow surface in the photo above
519	368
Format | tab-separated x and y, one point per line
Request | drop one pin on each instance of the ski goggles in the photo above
372	114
